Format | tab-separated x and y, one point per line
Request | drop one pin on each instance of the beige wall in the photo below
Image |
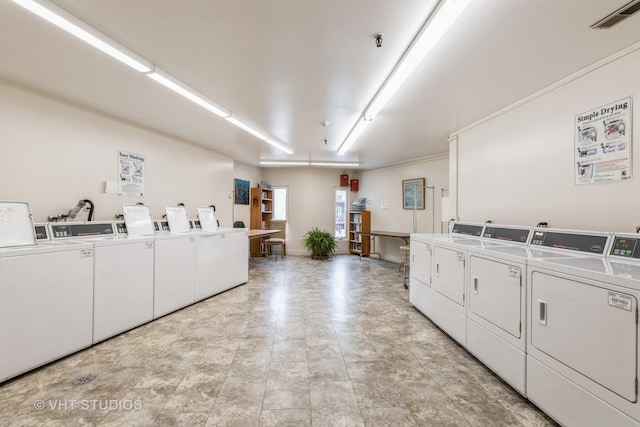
383	187
55	153
311	200
249	173
518	168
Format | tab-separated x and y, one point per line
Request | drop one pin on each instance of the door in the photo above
420	262
495	293
588	328
448	274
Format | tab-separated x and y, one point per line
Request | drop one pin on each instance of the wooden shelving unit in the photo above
261	214
359	221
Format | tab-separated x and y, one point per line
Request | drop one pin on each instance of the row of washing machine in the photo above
552	312
69	285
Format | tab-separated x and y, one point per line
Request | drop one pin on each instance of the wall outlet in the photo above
636	227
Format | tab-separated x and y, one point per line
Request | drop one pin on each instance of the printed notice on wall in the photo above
603	144
130	174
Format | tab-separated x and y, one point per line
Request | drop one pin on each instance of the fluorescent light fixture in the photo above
84	32
306	163
280	146
430	33
336	164
64	20
283	163
192	95
357	130
245	127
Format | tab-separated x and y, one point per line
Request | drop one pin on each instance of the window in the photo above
340	213
279	203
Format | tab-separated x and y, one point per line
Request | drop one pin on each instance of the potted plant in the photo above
321	243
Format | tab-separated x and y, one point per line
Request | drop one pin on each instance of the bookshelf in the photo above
261	214
359	221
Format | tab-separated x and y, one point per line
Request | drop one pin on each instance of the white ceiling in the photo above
286	66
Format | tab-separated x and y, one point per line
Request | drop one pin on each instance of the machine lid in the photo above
81	230
468	229
207	219
178	219
138	220
568	240
507	233
16	224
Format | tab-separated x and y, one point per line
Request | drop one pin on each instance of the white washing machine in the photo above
46	297
175	264
123	275
236	243
210	255
582	353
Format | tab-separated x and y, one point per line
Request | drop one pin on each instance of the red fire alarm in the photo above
344	180
354	185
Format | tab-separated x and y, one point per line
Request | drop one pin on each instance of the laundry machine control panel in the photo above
507	234
162	225
625	247
468	229
62	231
121	227
42	233
589	243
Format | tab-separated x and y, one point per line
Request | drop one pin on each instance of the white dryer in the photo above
421	249
123	274
46	298
496	321
446	299
582	362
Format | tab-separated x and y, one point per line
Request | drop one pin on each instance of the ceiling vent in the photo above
621	14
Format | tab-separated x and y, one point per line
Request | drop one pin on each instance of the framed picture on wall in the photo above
241	191
413	193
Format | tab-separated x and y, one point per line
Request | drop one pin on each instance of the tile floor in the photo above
322	343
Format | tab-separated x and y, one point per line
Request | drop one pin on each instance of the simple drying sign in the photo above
603	144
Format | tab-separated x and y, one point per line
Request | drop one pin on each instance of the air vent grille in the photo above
621	14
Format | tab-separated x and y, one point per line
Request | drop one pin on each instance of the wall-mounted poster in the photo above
241	191
413	193
130	174
603	144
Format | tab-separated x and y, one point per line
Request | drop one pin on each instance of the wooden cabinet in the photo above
261	214
359	221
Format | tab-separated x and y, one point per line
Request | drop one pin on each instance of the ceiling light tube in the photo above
427	38
192	95
279	146
84	32
429	35
357	130
283	163
336	164
245	127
